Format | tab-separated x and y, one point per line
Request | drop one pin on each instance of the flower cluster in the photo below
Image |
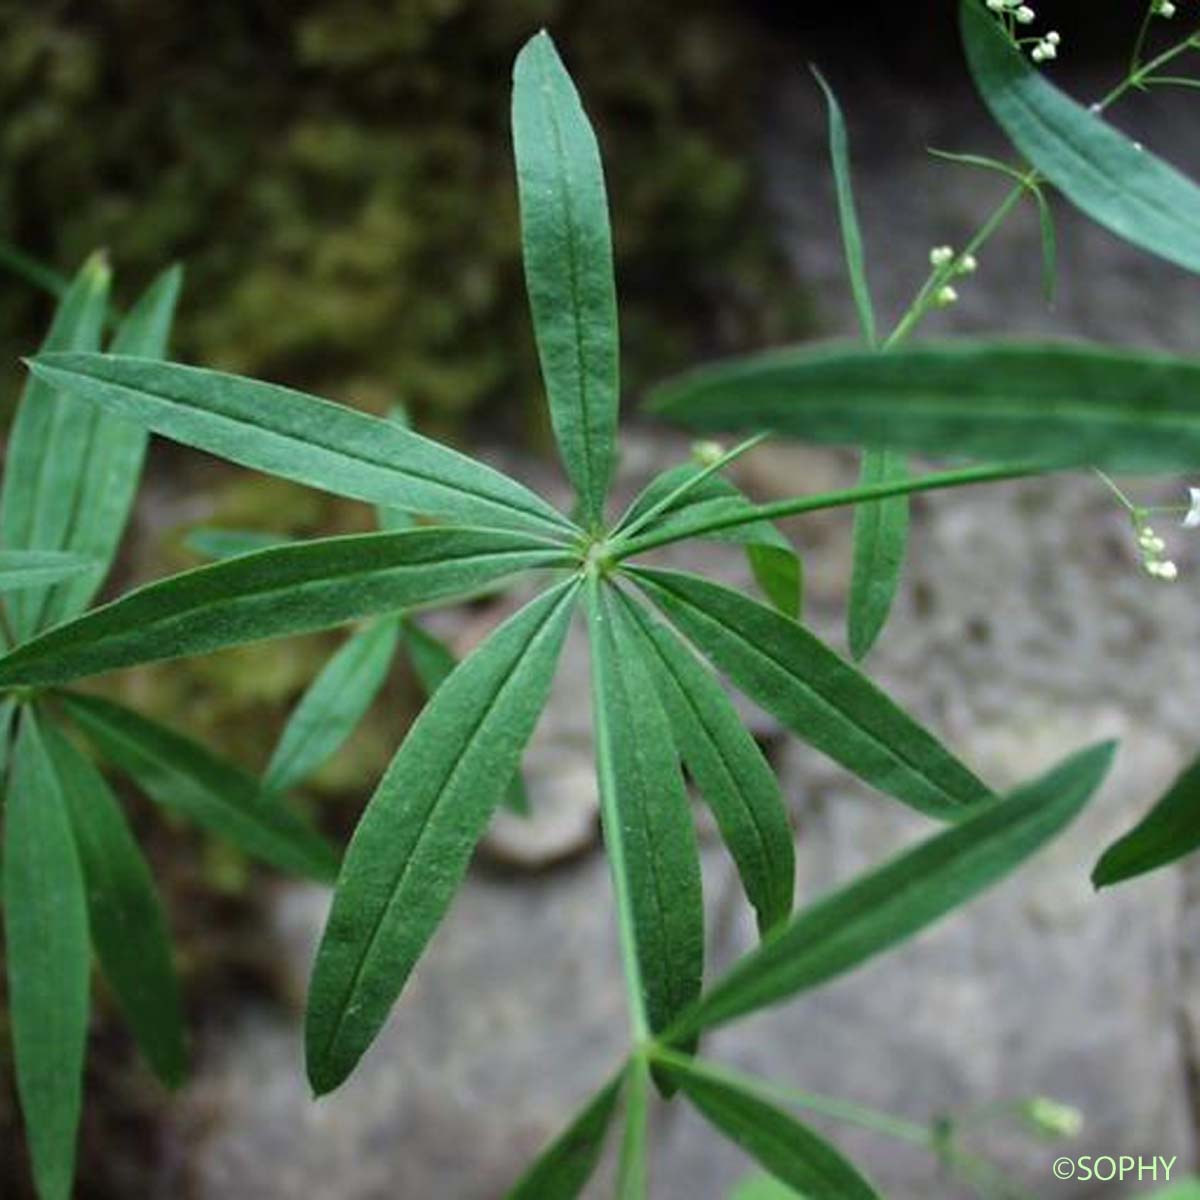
1152	547
1044	48
947	264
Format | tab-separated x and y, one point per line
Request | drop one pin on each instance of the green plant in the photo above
656	705
74	879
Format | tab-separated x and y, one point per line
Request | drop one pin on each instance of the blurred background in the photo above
336	176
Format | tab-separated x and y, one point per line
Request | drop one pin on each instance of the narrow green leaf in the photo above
20	569
1168	831
290	589
331	708
763	1187
818	695
792	1152
881	527
633	1176
773	560
1061	403
897	900
852	244
182	775
300	437
47	450
415	840
1185	1189
391	520
113	457
565	1166
218	544
46	931
648	827
127	923
1120	185
568	266
434	662
880	543
728	768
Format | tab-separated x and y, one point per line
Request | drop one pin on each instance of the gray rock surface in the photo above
1024	630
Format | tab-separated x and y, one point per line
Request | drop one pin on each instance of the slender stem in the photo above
1116	491
610	814
1138	77
919	308
672	498
1135	59
1173	81
829	1106
989	473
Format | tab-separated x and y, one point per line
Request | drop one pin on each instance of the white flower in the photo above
945	296
939	256
1025	14
968	265
1192	520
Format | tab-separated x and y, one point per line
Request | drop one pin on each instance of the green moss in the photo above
337	175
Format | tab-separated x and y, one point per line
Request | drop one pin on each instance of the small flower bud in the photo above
968	265
945	296
1053	1117
707	453
1168	571
1053	38
1025	15
1037	53
940	256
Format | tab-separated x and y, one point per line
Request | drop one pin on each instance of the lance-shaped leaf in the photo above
300	437
113	456
568	266
728	768
1118	183
792	1152
648	827
218	544
901	898
289	589
1169	830
47	450
1060	403
817	694
415	840
773	560
21	569
633	1181
852	243
763	1187
393	519
127	923
46	932
434	662
331	708
880	527
182	775
880	543
565	1166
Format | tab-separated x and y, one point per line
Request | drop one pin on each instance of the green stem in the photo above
690	484
771	1093
1139	76
919	309
963	476
610	815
